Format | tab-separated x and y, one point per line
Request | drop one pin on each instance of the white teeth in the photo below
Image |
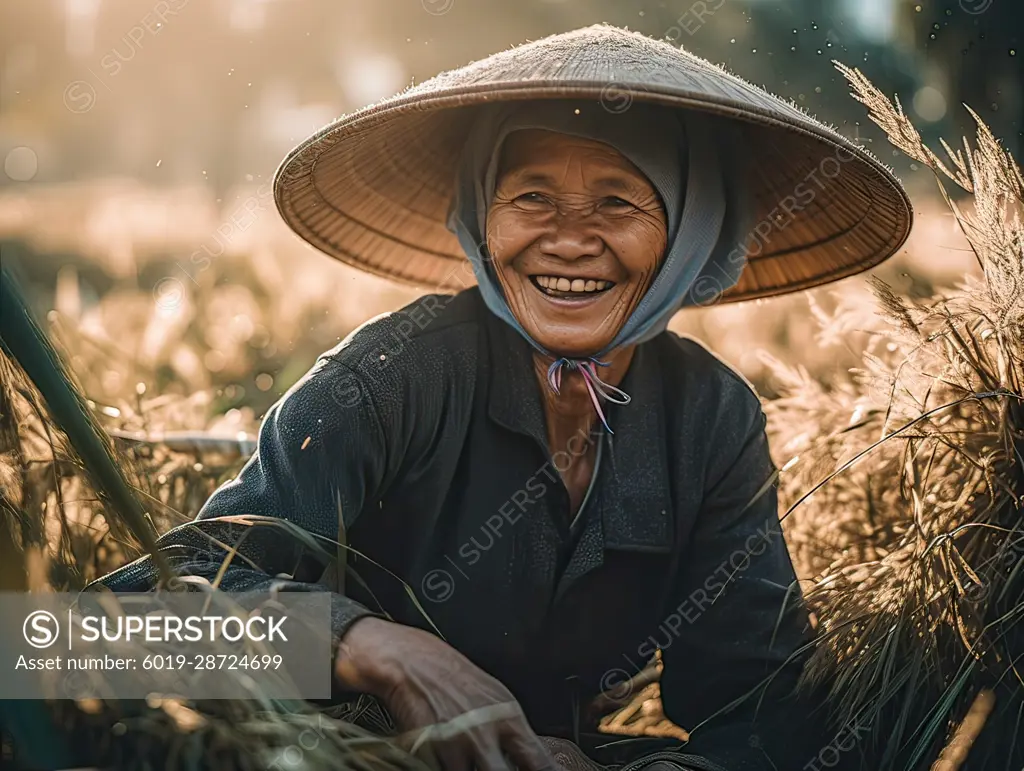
581	285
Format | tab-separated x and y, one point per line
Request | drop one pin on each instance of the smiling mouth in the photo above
566	287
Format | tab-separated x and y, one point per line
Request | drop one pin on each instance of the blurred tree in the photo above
972	53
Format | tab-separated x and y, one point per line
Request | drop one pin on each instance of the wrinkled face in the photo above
576	233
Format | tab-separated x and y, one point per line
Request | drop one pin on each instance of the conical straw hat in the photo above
373	188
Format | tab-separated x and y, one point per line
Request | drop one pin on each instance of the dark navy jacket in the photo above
425	430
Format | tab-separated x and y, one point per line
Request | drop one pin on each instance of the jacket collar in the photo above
635	487
515	398
632	489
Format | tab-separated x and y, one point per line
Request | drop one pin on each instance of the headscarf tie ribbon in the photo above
596	387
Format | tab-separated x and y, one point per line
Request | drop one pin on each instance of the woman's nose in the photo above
571	239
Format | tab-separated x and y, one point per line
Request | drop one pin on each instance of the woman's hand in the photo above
468	718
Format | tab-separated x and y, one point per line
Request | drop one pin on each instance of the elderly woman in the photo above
566	486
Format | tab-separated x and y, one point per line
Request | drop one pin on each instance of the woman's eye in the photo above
614	202
532	200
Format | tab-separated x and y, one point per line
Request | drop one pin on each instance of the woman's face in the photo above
576	233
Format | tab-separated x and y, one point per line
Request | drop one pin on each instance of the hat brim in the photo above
372	189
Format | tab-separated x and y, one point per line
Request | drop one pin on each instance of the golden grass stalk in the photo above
906	482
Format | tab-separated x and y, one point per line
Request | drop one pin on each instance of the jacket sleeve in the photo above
743	632
322	454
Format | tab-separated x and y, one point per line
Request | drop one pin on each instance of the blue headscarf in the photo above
679	152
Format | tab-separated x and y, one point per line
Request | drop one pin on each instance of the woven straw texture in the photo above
372	188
